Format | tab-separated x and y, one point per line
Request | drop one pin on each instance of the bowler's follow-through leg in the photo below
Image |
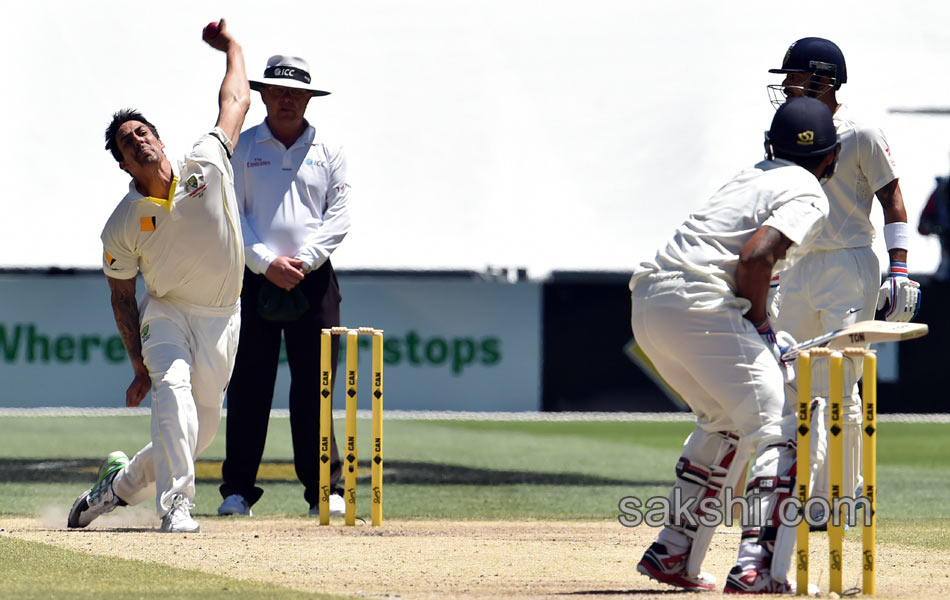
100	499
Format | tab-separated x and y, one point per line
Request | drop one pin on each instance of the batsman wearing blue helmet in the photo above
699	313
840	283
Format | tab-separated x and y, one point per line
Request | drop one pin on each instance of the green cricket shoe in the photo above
100	498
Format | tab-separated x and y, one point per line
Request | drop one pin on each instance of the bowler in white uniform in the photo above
179	226
699	314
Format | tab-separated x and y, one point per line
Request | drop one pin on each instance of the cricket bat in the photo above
864	332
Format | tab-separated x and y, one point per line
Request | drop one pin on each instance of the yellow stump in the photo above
869	463
803	466
377	461
326	423
350	462
835	454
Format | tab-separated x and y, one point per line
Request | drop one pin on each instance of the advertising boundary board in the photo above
453	340
456	341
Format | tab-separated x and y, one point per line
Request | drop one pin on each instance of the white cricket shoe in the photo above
100	498
337	507
178	519
235	504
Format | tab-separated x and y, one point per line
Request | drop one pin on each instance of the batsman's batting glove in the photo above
778	344
899	294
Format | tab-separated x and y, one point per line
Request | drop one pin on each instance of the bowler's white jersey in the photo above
705	249
189	246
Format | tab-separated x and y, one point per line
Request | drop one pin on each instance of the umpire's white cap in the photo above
287	71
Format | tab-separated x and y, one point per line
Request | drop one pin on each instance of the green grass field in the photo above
455	470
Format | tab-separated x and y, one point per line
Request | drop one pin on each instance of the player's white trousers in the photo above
823	291
189	351
729	377
714	359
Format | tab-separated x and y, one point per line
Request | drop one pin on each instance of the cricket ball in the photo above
211	31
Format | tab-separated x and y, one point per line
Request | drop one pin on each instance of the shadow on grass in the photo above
395	472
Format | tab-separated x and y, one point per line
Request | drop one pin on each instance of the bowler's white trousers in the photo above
189	351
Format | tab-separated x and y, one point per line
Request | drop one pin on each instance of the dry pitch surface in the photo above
442	559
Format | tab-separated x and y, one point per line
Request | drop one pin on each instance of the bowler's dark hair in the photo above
120	117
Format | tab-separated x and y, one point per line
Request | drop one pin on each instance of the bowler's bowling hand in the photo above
216	35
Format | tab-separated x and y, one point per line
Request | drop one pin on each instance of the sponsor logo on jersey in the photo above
199	192
145	334
257	162
109	259
194	184
147	224
310	162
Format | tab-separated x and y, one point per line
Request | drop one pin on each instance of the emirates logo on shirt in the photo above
257	162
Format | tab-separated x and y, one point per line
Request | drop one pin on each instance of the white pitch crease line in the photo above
447	415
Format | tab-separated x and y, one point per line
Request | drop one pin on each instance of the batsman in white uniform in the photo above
179	225
840	283
699	312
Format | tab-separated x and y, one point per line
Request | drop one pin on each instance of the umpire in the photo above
292	196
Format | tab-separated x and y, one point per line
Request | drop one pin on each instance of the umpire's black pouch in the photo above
276	304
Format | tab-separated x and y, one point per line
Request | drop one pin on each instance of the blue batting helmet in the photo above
802	127
815	55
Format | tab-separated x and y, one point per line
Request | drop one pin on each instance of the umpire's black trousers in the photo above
251	390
